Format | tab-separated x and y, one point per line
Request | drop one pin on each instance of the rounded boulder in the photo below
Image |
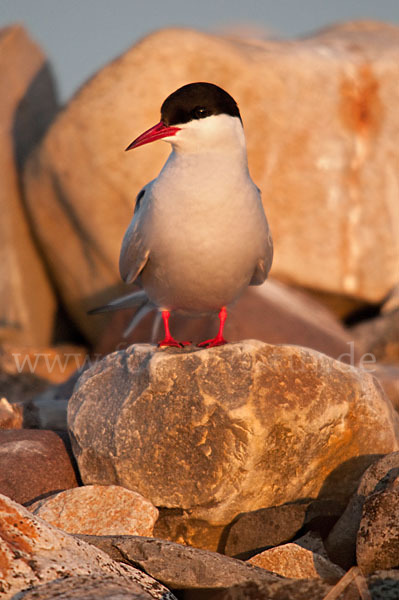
231	429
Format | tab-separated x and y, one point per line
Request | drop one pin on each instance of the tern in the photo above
199	235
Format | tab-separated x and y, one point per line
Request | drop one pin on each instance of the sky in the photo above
80	36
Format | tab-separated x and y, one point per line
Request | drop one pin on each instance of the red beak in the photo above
157	132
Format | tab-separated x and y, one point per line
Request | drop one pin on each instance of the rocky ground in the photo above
266	468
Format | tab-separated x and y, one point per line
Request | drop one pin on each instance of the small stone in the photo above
10	415
33	463
296	562
98	510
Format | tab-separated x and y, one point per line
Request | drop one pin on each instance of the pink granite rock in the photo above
98	510
296	562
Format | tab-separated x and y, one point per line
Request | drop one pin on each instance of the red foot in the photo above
168	339
173	343
219	339
216	341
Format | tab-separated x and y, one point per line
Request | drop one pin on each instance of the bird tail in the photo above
139	299
127	301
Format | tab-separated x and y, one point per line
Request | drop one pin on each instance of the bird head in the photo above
196	117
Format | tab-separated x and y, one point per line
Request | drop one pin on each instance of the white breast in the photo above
205	239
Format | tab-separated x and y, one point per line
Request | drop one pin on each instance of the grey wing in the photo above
134	251
263	263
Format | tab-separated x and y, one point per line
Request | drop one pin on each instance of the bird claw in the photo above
171	342
217	341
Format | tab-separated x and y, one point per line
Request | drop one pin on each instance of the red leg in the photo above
168	339
219	339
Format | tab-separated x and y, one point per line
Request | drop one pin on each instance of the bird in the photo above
199	234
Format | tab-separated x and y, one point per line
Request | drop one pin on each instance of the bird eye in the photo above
200	112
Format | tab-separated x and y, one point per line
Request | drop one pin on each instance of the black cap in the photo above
197	101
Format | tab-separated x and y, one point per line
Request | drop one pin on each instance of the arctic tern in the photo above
199	234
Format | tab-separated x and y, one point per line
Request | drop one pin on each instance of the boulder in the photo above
201	575
33	464
273	312
35	553
328	180
27	302
177	566
98	510
291	560
341	542
377	545
230	429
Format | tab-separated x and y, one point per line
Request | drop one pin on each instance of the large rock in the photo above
98	510
27	303
33	464
227	430
329	180
34	553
